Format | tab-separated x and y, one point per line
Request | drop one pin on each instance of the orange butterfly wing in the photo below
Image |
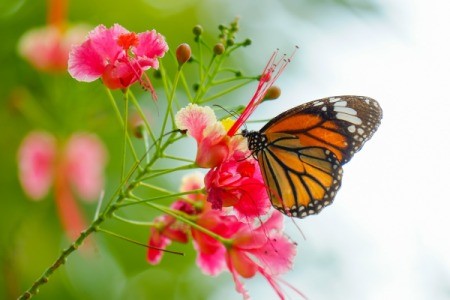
340	124
301	151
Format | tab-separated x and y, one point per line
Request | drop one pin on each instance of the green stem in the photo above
231	79
125	132
167	171
134	222
143	116
224	92
179	217
153	187
34	289
177	158
137	243
170	101
163	197
119	117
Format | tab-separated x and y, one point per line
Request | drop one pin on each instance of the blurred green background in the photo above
30	233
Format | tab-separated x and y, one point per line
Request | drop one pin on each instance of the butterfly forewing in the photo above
340	124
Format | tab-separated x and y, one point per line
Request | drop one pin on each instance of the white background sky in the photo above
387	234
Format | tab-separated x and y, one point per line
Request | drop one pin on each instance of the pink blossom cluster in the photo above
245	247
117	56
239	233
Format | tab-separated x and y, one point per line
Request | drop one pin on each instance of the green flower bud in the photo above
218	49
197	30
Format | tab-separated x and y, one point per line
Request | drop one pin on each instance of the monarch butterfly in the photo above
301	151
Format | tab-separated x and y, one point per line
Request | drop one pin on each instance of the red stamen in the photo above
270	74
143	79
128	40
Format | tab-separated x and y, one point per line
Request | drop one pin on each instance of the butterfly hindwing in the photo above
340	124
300	180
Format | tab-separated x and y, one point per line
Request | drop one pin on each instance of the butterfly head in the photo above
256	141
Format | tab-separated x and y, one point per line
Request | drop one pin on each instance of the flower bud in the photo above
218	49
157	74
137	125
247	42
183	53
197	30
195	87
273	93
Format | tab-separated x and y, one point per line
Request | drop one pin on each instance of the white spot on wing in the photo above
341	103
351	119
347	110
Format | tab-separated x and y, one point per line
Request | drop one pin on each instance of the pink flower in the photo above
162	233
79	165
117	55
167	228
212	142
47	48
237	182
264	249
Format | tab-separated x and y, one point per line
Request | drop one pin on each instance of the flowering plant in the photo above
226	213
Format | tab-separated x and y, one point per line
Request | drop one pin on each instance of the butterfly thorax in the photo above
256	140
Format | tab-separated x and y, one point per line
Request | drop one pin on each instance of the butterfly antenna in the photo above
232	113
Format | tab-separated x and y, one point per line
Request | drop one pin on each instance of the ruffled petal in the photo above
211	263
104	41
156	240
36	158
152	46
195	119
85	64
86	156
277	254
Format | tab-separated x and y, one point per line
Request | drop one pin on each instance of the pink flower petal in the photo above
152	46
274	222
254	201
213	148
85	157
195	119
243	265
104	41
238	284
36	158
192	181
121	75
156	240
211	263
85	64
277	255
